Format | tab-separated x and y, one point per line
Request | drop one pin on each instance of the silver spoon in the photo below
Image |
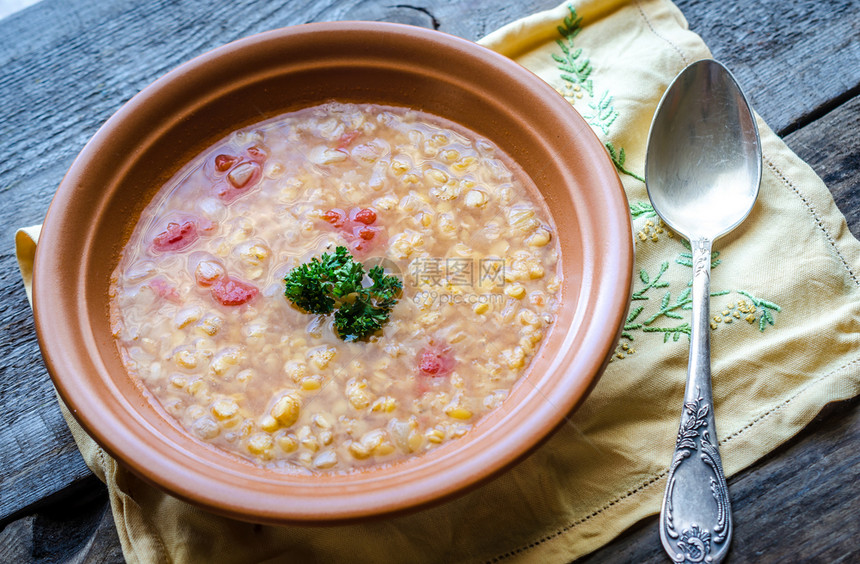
702	171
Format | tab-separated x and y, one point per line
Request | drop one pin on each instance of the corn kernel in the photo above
210	325
446	192
436	175
187	316
322	356
326	437
269	423
295	370
225	408
325	459
481	308
383	449
536	271
523	219
288	442
514	358
198	388
311	383
205	428
475	199
447	225
415	441
410	178
358	450
450	155
260	443
399	165
357	394
186	359
464	164
539	238
286	410
435	435
225	359
515	291
385	404
528	317
178	381
439	139
307	439
458	412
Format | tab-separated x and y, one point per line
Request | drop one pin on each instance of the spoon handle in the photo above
695	520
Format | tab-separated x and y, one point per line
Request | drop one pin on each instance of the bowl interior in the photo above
171	121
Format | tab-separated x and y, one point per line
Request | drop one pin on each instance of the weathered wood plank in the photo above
795	60
830	146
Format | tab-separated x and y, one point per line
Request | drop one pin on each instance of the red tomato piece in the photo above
231	292
435	360
164	290
224	162
346	139
257	154
335	216
365	216
358	247
176	237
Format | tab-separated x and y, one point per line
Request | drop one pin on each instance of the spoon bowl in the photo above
703	169
702	172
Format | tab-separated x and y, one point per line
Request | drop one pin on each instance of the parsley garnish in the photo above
334	282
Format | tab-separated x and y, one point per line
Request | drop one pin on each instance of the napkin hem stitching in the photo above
654	31
788	183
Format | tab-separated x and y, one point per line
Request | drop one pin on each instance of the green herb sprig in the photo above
333	282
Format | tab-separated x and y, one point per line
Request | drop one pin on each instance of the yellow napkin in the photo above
785	341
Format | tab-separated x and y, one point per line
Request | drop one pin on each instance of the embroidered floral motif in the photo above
575	70
668	316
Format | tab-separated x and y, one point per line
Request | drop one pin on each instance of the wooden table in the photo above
67	65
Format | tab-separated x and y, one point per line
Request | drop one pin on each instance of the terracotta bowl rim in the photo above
125	428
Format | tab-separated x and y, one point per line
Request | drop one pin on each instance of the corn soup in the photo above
198	302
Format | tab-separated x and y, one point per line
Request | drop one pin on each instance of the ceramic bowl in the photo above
179	115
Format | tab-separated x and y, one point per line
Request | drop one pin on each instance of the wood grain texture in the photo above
67	65
796	60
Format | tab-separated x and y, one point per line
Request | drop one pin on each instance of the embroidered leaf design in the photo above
673	332
629	325
764	308
639	209
618	157
575	68
603	113
651	283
